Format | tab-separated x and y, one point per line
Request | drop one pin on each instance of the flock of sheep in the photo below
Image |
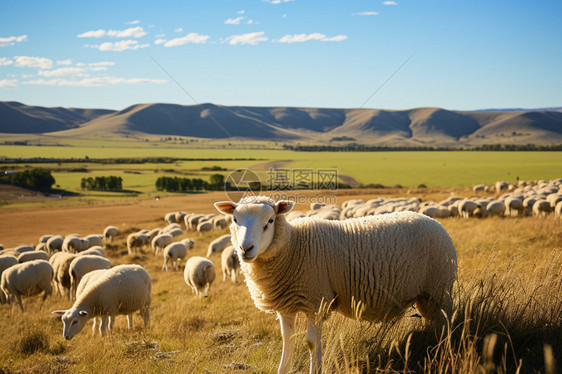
276	249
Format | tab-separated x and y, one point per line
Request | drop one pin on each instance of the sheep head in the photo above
253	222
73	321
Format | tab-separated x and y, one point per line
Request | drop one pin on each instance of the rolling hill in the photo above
413	127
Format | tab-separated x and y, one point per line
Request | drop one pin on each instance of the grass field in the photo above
508	299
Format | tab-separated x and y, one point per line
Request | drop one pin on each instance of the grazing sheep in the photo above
513	203
172	253
74	244
44	238
160	242
136	241
479	188
188	242
558	210
33	255
60	262
24	248
27	279
193	221
93	240
436	211
541	208
220	222
528	204
468	208
199	274
218	245
175	232
378	265
110	233
230	264
123	289
41	247
84	264
495	208
54	244
95	250
86	280
170	217
204	227
5	262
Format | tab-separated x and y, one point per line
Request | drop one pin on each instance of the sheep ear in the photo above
59	313
226	207
284	206
83	313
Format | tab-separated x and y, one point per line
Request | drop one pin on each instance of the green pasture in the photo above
409	169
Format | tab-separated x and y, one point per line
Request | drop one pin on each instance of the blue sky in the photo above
464	54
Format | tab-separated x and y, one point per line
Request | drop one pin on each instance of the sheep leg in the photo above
287	331
233	275
129	321
165	265
18	298
111	322
95	325
105	322
145	314
224	275
313	336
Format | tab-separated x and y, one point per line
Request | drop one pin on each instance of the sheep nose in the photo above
247	248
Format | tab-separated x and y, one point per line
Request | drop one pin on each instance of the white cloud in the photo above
8	83
252	22
189	38
179	29
252	38
98	68
389	3
284	15
135	22
160	41
279	1
234	21
4	61
301	38
11	40
160	35
80	64
101	63
119	46
131	32
65	62
93	82
366	13
240	12
33	62
62	72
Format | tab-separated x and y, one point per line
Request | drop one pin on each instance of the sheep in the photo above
160	242
83	264
172	253
199	274
5	262
204	227
123	289
27	279
86	280
495	208
193	221
54	244
44	238
170	217
175	232
95	250
74	244
60	262
230	264
93	240
513	203
188	242
24	248
220	222
41	247
33	255
136	241
218	245
110	233
541	208
436	211
468	208
373	266
479	188
558	210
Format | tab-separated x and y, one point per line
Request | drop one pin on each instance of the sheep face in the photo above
253	226
73	321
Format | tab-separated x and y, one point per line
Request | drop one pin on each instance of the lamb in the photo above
60	262
84	264
110	233
218	245
380	264
199	274
5	262
172	253
160	242
27	279
123	289
230	264
33	255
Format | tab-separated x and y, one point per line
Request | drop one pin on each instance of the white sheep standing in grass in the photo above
83	264
86	280
204	227
95	250
172	254
110	233
218	245
33	255
123	289
381	265
199	274
27	279
54	244
136	241
160	242
230	264
60	262
5	262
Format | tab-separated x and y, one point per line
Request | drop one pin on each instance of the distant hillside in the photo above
413	127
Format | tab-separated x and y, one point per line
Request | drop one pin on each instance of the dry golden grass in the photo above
508	318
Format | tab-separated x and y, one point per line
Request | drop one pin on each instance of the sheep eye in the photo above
270	220
234	219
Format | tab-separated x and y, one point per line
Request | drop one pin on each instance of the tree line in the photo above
38	179
110	183
354	147
176	184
